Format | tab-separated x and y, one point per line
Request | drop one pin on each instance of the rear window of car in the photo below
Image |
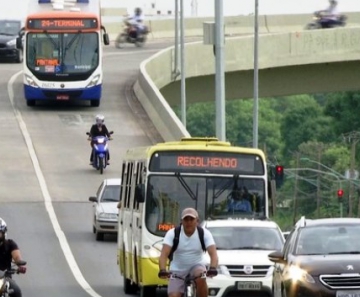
332	239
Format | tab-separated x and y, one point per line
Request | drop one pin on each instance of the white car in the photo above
243	246
105	208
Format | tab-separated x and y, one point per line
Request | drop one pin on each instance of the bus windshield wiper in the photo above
187	188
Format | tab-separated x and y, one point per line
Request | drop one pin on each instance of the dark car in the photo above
320	258
9	31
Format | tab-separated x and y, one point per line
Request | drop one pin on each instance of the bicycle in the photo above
190	284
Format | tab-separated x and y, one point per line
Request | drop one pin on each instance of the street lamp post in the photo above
220	71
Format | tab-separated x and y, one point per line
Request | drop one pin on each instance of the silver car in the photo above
105	208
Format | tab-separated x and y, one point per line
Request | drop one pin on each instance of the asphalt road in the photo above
46	180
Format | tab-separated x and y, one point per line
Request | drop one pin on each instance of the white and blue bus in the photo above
63	51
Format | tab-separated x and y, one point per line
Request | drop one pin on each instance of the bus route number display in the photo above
207	162
62	24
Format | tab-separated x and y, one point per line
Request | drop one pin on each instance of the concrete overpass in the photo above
291	61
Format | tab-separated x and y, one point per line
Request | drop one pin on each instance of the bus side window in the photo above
122	187
127	185
138	181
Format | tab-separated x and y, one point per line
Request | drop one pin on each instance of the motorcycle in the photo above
318	24
100	151
130	35
5	277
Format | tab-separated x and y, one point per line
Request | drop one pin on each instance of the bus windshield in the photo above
213	197
62	54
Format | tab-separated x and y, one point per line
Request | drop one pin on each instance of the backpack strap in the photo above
201	237
175	241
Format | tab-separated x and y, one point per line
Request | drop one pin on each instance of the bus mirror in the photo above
19	44
106	39
140	193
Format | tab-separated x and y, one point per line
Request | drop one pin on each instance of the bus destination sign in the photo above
62	24
209	162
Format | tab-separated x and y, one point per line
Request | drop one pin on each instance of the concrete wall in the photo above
290	63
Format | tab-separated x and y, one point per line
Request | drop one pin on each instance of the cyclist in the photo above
188	258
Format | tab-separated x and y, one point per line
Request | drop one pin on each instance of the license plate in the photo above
347	293
62	97
251	286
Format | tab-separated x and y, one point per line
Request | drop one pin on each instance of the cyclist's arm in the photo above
211	248
214	260
164	256
166	248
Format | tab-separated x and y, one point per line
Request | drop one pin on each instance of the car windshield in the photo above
333	239
62	54
10	28
213	197
111	194
246	238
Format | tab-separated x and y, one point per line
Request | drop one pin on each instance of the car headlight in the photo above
295	273
31	82
12	42
94	81
107	216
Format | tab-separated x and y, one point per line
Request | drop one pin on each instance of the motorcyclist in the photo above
9	251
98	129
137	20
330	16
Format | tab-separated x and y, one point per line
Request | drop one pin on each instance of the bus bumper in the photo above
93	93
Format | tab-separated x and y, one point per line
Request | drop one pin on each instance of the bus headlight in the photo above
12	42
31	82
94	81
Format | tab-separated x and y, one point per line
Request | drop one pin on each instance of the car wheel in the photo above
19	58
99	236
94	230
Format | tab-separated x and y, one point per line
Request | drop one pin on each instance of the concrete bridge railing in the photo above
278	51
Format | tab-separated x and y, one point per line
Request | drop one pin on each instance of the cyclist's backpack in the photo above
177	236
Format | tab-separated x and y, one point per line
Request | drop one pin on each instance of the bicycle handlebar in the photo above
188	277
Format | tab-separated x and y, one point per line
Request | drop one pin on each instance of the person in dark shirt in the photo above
9	251
98	129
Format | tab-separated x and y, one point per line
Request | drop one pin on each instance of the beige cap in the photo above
189	212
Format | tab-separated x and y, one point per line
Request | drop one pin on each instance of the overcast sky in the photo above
18	8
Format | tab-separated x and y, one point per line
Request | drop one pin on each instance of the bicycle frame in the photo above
190	283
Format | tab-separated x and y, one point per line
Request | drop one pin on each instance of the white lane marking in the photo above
47	198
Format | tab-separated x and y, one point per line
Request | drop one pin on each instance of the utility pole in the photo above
318	183
296	188
353	138
256	77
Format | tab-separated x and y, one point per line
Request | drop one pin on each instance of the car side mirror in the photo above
277	257
93	199
106	39
140	193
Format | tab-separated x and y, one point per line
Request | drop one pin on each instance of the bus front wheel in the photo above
95	103
146	291
30	102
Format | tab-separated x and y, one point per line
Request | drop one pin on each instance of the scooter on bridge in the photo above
319	22
131	35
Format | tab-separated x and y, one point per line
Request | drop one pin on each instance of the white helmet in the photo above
99	119
3	229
